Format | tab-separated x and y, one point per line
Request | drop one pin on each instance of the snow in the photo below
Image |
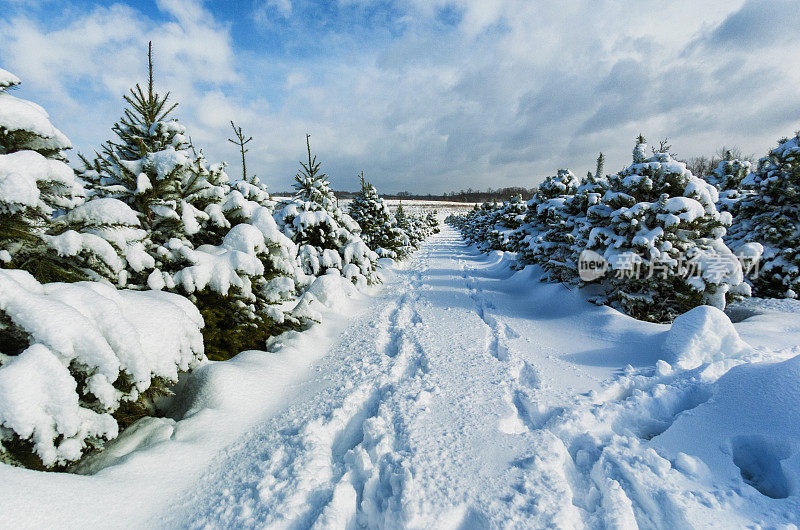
702	335
103	334
40	403
686	209
746	435
17	190
8	79
103	211
72	243
21	171
21	115
462	394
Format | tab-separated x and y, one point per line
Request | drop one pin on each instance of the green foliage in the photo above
770	216
34	159
229	329
379	228
311	184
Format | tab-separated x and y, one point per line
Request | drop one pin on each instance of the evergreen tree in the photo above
379	228
35	185
729	173
662	237
409	226
433	222
508	218
311	184
327	238
730	178
770	216
578	214
203	239
537	237
241	142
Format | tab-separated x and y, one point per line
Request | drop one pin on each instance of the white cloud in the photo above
515	90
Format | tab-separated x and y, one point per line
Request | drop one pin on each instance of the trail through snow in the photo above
463	394
430	411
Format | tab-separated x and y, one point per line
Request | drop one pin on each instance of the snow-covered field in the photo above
462	394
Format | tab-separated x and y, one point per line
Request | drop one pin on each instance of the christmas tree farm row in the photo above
117	277
654	240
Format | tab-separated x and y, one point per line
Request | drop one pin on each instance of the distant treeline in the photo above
468	195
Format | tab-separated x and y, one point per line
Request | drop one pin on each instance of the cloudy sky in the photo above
423	95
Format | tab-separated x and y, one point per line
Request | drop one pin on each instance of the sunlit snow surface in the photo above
462	394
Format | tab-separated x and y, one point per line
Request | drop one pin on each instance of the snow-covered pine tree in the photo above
544	219
509	218
327	238
379	228
730	177
187	210
663	240
729	173
412	225
36	184
479	223
153	168
432	221
250	186
770	216
578	213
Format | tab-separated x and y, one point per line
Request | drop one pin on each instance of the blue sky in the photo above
423	95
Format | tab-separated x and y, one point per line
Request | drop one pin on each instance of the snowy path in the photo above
427	412
461	395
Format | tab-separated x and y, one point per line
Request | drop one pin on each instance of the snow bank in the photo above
749	432
703	335
109	345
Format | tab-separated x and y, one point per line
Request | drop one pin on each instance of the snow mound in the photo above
703	335
89	348
330	290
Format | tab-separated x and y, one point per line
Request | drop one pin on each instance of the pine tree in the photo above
770	216
35	185
153	168
662	236
327	238
311	184
433	222
730	178
241	142
536	238
203	239
509	217
147	165
379	228
405	222
578	214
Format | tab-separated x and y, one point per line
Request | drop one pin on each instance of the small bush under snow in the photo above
82	350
